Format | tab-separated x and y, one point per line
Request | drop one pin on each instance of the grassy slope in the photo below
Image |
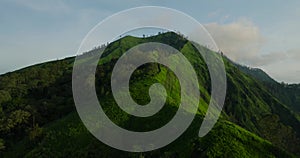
289	94
225	140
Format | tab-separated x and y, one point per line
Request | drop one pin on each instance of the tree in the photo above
2	144
35	133
4	96
16	120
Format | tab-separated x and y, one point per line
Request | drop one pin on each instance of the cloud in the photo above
241	40
286	70
291	55
269	58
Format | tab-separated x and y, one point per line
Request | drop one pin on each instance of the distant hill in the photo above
256	73
38	116
289	94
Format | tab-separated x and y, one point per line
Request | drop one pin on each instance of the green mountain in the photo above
38	116
289	94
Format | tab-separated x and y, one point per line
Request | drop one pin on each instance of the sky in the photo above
260	34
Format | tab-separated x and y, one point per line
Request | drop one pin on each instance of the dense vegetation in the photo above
289	94
38	117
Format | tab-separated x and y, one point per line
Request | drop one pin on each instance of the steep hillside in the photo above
38	117
289	94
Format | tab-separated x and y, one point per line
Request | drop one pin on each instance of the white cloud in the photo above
241	40
287	70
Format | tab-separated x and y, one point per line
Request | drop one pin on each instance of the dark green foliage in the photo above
2	145
15	122
229	140
289	94
35	133
249	102
281	135
34	95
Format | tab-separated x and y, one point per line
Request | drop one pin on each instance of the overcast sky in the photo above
262	34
